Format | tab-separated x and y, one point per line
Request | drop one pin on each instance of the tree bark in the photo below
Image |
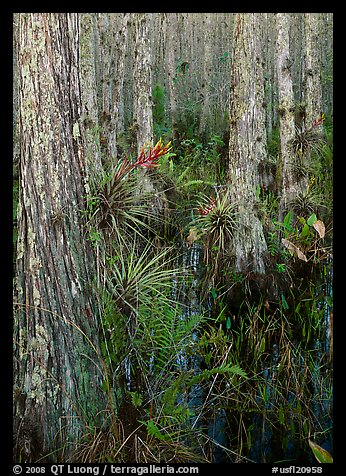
118	75
142	81
289	184
103	48
143	111
112	36
247	142
206	87
313	90
89	80
57	379
326	44
170	23
269	72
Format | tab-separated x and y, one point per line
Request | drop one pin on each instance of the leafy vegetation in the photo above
159	353
166	361
184	336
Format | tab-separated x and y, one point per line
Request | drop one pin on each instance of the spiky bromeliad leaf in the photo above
218	220
307	202
136	278
306	140
119	211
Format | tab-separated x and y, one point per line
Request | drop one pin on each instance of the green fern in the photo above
165	333
153	430
223	369
182	175
190	183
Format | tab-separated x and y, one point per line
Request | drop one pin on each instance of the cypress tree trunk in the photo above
247	142
289	183
103	47
118	77
313	89
89	79
143	114
171	22
269	50
57	378
206	76
112	29
142	94
326	44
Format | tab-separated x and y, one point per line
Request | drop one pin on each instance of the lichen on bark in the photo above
247	144
55	315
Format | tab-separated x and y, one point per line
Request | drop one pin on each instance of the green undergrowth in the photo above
255	347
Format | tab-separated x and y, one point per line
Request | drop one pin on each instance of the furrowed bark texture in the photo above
207	77
57	381
103	47
143	107
142	80
88	73
171	52
112	38
313	89
247	142
290	185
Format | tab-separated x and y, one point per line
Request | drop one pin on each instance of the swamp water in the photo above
287	399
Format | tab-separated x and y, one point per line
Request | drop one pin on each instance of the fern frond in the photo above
223	369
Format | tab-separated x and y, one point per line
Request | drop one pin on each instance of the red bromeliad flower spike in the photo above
150	161
145	160
318	121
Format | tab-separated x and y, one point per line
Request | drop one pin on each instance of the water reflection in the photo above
293	390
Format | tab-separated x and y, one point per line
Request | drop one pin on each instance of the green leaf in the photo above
305	231
233	369
153	430
223	369
287	221
320	453
105	386
311	220
281	415
284	302
262	345
228	323
136	399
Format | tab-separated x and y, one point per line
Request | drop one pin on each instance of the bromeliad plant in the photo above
309	138
117	208
306	142
217	221
147	159
215	225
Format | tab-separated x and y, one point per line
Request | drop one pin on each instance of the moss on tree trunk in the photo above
57	383
247	143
